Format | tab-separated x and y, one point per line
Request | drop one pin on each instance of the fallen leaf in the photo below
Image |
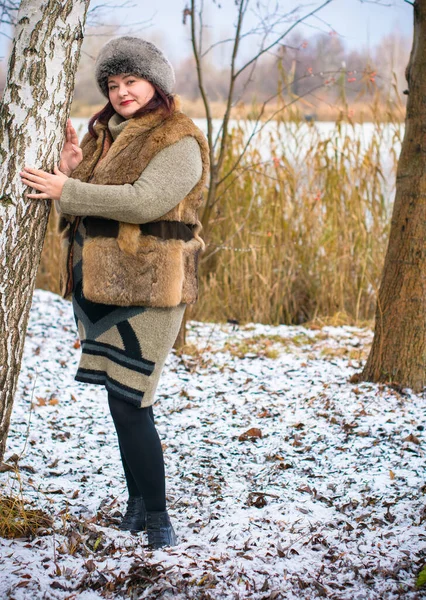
264	414
90	565
256	499
252	433
412	438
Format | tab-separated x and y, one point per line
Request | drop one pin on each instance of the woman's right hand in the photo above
72	154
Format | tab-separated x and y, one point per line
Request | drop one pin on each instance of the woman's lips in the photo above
125	103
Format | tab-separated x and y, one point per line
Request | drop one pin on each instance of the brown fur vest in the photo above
154	264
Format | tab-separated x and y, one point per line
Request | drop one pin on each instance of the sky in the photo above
358	22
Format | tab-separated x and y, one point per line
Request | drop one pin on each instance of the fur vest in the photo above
153	264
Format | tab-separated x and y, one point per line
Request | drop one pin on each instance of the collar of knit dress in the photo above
116	124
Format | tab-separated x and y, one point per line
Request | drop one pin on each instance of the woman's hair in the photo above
159	99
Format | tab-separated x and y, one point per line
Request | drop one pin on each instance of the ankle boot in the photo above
159	529
135	517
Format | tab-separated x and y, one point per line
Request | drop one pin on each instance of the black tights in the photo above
141	452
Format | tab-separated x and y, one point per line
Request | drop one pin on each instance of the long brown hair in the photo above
159	99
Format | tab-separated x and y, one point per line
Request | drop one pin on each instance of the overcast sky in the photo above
359	23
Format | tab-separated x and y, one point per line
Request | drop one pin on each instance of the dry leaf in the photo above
413	439
264	414
90	565
256	499
252	433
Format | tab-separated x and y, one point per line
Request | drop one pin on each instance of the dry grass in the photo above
252	347
323	110
300	236
17	520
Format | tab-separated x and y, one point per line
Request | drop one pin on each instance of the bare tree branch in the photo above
241	14
9	10
378	2
281	37
196	52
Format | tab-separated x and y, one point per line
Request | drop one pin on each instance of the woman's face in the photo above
128	93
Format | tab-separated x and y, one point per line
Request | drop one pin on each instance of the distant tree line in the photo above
318	67
322	62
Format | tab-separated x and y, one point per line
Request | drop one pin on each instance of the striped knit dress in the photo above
123	348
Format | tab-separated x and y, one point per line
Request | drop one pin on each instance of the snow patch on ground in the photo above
328	502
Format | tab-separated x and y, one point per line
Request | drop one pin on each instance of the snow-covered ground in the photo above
328	502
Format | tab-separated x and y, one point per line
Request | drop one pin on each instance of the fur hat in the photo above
133	55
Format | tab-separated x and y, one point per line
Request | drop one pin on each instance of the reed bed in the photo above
302	235
300	228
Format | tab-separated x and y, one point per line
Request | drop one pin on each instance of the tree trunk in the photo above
398	353
33	113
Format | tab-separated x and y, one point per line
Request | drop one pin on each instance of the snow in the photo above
329	502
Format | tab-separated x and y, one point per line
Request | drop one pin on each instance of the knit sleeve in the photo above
165	182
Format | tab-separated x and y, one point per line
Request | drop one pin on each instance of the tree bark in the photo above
398	353
33	113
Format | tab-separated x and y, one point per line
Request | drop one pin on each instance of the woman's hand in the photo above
72	154
50	185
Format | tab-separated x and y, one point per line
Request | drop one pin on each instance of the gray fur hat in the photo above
133	55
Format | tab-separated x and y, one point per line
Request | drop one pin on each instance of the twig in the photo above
29	418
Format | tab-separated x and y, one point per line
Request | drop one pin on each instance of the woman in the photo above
128	201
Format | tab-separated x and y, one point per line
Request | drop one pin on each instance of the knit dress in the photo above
124	348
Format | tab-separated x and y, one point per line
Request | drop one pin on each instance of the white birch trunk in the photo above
33	114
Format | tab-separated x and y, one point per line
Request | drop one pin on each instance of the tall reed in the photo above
303	233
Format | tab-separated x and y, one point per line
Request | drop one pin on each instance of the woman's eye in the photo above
131	81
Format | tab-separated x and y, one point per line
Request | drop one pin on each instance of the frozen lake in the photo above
293	140
293	137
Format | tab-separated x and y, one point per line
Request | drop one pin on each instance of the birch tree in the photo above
33	114
398	353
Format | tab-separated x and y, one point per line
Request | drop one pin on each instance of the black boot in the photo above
159	529
135	517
